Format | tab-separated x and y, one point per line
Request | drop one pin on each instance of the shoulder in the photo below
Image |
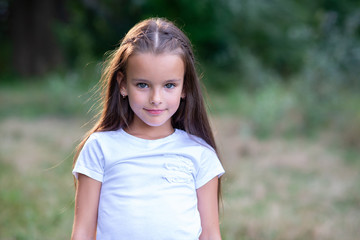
103	136
193	141
99	140
102	144
206	161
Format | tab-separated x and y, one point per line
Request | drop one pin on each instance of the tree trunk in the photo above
35	50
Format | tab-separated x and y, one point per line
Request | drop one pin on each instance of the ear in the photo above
122	83
183	94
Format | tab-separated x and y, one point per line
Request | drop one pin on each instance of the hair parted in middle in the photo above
155	36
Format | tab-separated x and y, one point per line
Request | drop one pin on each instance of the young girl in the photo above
149	169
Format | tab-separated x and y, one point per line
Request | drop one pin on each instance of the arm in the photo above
208	208
86	208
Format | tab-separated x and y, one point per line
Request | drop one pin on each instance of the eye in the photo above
142	85
170	85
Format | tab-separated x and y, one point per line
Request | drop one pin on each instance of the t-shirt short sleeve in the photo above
90	161
210	167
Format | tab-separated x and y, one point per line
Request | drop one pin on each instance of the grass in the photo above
287	189
36	189
34	206
276	186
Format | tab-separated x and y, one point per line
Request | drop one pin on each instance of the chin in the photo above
155	124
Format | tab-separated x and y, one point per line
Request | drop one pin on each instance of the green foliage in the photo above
277	34
273	32
268	111
299	108
56	94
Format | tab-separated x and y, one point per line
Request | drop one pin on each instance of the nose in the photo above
155	98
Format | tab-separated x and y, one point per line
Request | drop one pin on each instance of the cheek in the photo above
174	100
135	99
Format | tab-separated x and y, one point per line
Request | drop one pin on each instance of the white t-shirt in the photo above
148	186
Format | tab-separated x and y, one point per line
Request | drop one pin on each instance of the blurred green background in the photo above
283	86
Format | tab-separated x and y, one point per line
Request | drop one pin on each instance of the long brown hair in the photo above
154	35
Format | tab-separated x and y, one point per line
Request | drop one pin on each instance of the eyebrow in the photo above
146	81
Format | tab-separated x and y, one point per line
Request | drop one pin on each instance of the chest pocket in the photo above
178	169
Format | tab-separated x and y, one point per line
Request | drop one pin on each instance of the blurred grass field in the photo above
281	182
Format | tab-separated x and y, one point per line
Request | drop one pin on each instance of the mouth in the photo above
154	111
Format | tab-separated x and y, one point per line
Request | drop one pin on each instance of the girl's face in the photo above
154	86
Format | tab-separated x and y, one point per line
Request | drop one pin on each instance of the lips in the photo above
154	111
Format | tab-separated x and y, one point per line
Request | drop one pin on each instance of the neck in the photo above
149	132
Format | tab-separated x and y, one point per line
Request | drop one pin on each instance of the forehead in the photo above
151	66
